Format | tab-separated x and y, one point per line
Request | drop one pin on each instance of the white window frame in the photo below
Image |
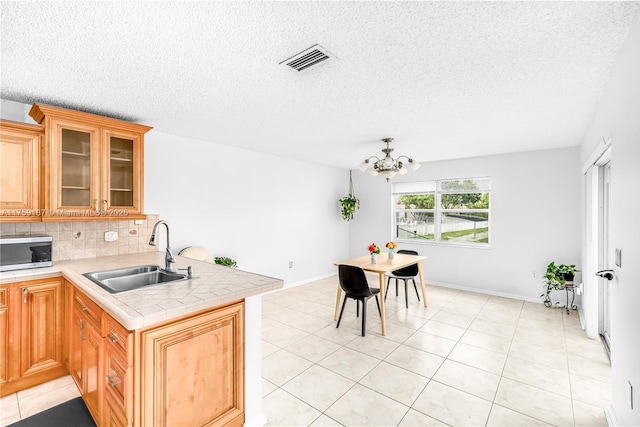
438	211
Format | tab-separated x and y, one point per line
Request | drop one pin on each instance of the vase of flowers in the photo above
374	250
392	248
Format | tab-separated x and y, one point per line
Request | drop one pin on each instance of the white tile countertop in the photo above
211	286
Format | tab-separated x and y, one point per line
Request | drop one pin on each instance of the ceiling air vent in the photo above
308	59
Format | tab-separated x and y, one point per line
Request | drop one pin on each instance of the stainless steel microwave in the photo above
26	251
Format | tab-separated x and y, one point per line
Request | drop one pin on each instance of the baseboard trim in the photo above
259	421
611	417
484	291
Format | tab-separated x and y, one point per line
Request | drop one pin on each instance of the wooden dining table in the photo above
383	265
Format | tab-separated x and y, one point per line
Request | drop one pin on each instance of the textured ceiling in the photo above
445	79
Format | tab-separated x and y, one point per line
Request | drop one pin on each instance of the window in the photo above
444	211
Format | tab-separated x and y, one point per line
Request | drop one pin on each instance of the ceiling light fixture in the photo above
388	166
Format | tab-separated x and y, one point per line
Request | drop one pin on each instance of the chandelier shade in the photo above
387	166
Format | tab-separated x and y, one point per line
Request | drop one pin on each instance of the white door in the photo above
606	255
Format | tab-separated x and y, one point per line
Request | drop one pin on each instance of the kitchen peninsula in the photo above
186	352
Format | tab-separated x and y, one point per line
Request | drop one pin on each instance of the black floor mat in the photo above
72	413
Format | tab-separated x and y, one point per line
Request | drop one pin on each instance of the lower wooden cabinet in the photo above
85	360
5	336
192	371
187	372
31	319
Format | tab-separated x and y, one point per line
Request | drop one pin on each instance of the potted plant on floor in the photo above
555	279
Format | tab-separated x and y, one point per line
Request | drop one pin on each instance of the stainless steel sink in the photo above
127	279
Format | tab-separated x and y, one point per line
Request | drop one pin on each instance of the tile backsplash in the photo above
85	239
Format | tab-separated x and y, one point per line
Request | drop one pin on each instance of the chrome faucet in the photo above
169	260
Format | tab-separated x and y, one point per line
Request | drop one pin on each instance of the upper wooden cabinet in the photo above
20	146
93	166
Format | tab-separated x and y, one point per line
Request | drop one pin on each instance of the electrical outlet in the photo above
137	221
110	236
619	257
290	264
630	394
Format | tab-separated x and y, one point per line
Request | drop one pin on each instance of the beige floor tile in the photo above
499	316
540	337
283	336
415	418
443	330
324	421
468	379
268	348
452	406
9	410
361	406
282	366
538	375
500	329
415	360
349	363
282	409
431	343
268	387
313	348
479	358
394	382
37	399
591	368
591	391
310	324
406	320
486	341
374	346
557	358
504	417
589	415
396	333
328	387
456	319
534	402
341	335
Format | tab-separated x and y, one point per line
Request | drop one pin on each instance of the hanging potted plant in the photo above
349	204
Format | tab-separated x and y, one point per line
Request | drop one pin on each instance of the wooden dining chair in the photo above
355	286
405	273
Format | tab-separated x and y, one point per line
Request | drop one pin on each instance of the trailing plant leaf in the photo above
223	260
348	206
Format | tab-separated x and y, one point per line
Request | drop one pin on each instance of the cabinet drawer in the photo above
118	337
116	376
90	309
114	413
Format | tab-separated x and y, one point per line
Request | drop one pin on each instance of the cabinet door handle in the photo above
95	202
3	309
84	308
104	205
113	380
82	338
113	337
24	295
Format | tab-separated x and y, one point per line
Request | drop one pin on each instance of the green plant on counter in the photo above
223	260
555	278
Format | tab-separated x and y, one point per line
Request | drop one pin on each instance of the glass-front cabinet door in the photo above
122	174
74	149
93	165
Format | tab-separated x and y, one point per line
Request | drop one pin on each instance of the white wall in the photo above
535	216
618	117
261	210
